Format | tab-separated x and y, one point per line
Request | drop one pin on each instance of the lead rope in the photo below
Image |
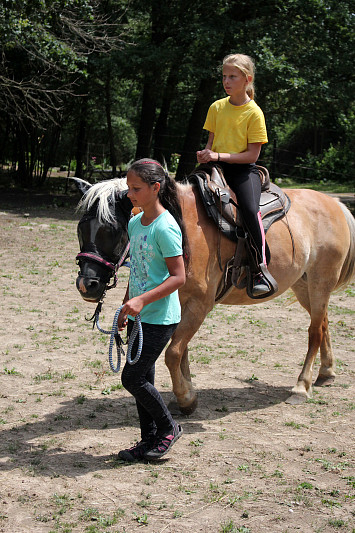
116	337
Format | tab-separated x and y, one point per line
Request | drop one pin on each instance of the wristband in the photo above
218	157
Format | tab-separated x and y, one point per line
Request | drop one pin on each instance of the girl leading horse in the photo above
313	253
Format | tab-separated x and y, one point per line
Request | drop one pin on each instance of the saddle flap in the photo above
221	202
216	184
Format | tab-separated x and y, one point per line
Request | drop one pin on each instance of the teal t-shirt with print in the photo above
149	245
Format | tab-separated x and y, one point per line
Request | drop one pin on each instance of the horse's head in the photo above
102	234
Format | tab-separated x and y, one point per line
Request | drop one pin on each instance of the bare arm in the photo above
250	155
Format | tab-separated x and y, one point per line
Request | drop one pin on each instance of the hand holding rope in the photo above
116	337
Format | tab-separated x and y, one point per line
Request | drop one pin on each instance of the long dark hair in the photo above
151	171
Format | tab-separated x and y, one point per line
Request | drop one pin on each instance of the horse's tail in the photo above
348	270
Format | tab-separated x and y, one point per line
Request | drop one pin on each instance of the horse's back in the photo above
319	217
313	236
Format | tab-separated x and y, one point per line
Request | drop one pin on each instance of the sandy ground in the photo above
247	462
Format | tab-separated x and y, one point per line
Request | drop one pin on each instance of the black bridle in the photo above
111	266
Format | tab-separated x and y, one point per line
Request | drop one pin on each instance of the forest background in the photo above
94	84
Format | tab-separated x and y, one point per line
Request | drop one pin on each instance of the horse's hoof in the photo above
189	409
176	409
296	399
324	381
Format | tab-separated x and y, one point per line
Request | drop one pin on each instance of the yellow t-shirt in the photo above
235	126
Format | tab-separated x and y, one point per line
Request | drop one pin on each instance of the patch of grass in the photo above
102	521
328	465
222	435
222	409
59	418
277	473
145	502
317	401
141	519
11	372
63	501
350	480
337	522
295	425
67	375
196	443
111	388
305	485
330	503
94	364
46	376
178	514
322	185
257	322
350	291
80	399
230	527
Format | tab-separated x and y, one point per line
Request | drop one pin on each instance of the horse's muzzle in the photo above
91	289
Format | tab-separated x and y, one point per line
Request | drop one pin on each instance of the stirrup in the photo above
262	268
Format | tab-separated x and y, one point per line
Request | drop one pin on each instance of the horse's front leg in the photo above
186	396
302	391
176	355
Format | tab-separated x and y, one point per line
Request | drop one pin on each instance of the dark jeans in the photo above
244	180
138	379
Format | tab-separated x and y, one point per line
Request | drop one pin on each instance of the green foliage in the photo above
113	79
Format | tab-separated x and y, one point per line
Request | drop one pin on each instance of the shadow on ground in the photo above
19	449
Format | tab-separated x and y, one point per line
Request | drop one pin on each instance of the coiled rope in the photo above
116	337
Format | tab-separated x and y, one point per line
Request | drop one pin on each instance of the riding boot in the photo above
263	284
260	285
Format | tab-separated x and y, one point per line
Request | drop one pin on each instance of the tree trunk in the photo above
147	119
194	131
152	85
81	141
161	152
22	170
48	153
108	102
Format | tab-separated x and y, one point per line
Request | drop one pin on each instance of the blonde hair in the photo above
245	65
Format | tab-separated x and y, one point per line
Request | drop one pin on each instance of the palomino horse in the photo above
312	252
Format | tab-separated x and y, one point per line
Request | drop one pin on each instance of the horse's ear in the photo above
82	185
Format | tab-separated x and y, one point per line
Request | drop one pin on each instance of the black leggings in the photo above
154	416
244	180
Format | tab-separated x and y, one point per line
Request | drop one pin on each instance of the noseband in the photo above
111	266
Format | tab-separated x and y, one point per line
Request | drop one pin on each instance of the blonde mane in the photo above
104	193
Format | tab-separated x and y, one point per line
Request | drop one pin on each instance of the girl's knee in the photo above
130	380
127	380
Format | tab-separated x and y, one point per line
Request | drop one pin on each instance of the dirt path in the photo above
247	462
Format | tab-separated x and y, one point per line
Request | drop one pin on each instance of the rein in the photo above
116	337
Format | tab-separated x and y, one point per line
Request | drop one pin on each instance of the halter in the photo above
113	267
115	336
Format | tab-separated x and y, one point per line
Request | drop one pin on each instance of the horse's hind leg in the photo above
318	337
326	375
